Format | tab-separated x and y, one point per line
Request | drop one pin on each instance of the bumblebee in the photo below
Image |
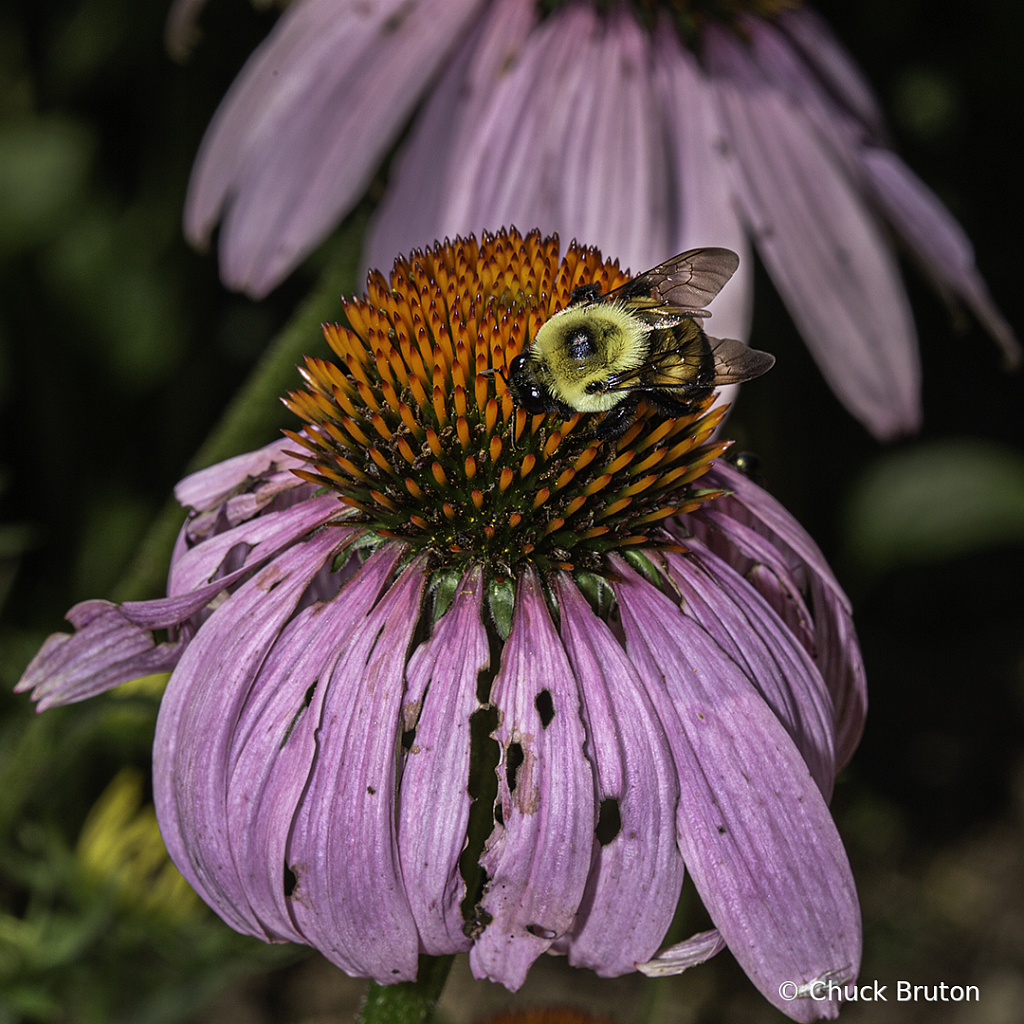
603	353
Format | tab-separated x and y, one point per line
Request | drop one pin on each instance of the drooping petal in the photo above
675	959
301	132
106	649
433	799
742	623
538	858
704	210
349	898
272	750
113	644
754	830
413	212
254	540
197	717
824	251
275	750
614	165
637	871
759	538
845	82
207	488
937	241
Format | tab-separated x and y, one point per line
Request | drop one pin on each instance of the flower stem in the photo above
254	414
411	1002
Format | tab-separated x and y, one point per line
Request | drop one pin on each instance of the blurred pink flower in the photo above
590	125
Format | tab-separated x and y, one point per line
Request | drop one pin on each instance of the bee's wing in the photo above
735	362
688	281
681	367
673	368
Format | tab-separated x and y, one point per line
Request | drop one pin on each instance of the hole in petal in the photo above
545	707
484	755
478	921
609	822
514	758
307	699
234	559
290	881
541	932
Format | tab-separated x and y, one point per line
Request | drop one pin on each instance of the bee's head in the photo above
527	392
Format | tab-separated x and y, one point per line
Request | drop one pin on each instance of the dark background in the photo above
119	350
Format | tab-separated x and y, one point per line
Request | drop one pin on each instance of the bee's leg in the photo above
669	405
617	420
585	293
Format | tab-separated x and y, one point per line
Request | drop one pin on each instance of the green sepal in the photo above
443	585
597	591
643	565
501	600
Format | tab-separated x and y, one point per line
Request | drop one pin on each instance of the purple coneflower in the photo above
448	677
645	130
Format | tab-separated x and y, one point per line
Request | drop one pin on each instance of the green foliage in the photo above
932	502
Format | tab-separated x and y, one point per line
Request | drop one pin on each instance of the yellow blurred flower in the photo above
120	847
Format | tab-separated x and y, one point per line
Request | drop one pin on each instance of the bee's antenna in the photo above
495	369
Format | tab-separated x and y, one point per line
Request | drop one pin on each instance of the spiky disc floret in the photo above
414	427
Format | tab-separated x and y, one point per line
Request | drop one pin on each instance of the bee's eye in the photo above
580	344
528	393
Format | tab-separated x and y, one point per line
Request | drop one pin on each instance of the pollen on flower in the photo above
414	426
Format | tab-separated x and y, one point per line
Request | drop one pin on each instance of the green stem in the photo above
411	1002
254	416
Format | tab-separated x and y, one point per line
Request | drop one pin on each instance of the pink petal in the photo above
779	559
547	142
301	132
433	802
613	164
350	899
772	519
938	241
675	959
106	649
207	488
753	828
821	245
272	750
251	542
412	213
196	724
635	877
538	860
705	210
510	170
808	31
841	664
743	625
275	745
